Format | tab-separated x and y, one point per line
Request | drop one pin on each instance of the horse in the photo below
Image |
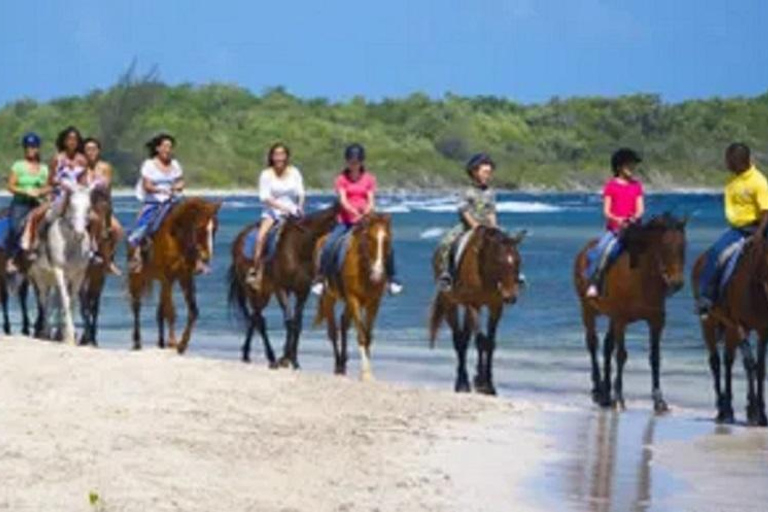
184	237
96	274
7	282
360	285
740	311
62	259
637	285
288	275
487	276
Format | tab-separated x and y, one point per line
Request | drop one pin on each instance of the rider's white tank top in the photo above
162	180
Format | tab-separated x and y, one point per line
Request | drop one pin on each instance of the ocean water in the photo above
541	348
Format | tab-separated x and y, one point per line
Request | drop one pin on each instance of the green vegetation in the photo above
223	132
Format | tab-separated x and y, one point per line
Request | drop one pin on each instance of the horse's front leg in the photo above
66	306
23	296
709	331
285	305
298	324
750	368
355	313
134	289
460	344
656	330
346	321
41	297
488	341
166	313
592	342
729	357
762	420
4	301
608	345
619	334
188	289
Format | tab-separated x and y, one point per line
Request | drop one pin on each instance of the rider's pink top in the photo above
357	193
624	197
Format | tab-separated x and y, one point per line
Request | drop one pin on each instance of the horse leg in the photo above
23	296
608	344
333	337
4	301
619	330
592	342
285	305
355	313
41	312
135	293
66	304
460	345
164	311
494	315
85	315
188	289
261	325
750	367
656	328
345	322
298	323
709	332
95	309
730	356
762	420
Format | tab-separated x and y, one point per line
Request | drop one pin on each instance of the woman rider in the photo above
98	175
67	170
162	180
281	191
28	182
356	189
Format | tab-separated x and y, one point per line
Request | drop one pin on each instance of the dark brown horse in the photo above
741	310
288	275
488	275
637	286
360	285
184	238
96	275
22	288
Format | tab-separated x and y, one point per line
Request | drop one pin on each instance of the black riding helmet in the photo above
622	157
355	152
477	160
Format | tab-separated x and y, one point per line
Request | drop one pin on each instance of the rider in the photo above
162	180
28	182
98	174
67	172
477	208
281	191
623	204
746	208
356	189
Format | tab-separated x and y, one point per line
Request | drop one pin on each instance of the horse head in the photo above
663	237
195	224
500	262
377	234
77	207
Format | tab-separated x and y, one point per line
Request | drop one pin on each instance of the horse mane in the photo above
185	217
637	237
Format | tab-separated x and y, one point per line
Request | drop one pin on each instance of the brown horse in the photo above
184	237
96	275
22	288
488	275
636	289
740	311
360	285
288	275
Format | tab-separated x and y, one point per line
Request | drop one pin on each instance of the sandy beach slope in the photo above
85	429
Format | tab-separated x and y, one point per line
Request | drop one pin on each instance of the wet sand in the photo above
84	429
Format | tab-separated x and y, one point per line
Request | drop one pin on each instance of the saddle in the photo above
333	255
456	252
727	262
270	246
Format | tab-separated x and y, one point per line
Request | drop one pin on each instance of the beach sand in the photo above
85	429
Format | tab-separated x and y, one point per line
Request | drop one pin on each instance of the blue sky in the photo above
528	50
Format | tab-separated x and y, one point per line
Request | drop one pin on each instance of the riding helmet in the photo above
354	152
31	140
624	156
477	160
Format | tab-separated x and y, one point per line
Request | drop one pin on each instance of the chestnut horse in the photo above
487	276
360	285
184	237
637	285
22	287
742	309
96	274
288	275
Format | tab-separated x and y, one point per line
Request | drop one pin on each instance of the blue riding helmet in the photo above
31	140
477	160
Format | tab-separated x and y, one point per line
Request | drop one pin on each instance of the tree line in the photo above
223	132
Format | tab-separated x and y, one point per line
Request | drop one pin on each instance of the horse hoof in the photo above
762	420
284	362
485	389
660	407
366	377
725	418
339	371
618	404
462	386
272	365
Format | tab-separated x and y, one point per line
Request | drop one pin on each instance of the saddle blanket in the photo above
270	247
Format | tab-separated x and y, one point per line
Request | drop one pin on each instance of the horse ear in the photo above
217	205
519	236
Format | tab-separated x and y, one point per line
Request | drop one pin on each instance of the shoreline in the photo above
91	429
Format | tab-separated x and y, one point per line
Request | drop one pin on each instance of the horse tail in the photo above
236	297
436	316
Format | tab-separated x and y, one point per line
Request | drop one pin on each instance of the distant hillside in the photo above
223	132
